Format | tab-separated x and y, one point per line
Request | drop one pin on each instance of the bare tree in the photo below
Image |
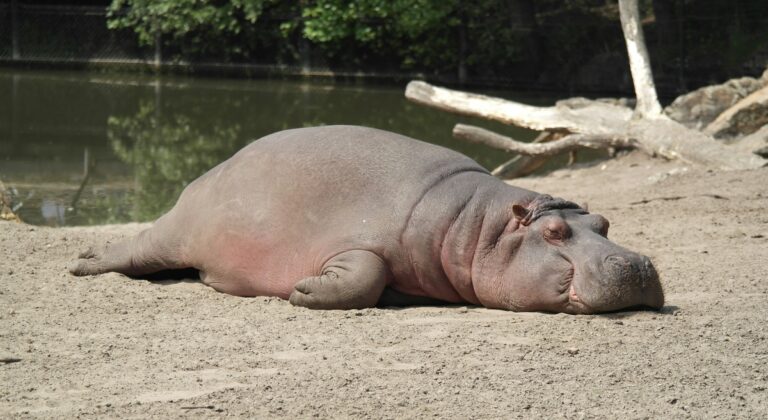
579	122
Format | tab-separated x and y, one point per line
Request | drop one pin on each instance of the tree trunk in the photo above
639	62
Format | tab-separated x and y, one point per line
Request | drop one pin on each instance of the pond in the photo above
82	148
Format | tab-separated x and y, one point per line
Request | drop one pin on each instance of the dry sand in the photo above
109	346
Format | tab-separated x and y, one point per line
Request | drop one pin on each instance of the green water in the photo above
79	148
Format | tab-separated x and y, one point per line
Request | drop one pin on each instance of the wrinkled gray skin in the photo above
346	217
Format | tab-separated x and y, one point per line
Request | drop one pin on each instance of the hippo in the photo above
347	217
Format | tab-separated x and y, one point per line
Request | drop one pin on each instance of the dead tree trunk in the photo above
590	123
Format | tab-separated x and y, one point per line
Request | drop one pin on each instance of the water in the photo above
80	148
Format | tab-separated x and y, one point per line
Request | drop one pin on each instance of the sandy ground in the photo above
109	346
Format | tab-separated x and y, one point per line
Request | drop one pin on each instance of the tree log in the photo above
521	165
670	139
589	117
570	142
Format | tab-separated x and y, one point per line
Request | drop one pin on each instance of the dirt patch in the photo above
109	346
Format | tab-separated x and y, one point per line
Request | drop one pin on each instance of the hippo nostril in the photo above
616	260
621	269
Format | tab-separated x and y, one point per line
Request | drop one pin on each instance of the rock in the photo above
745	117
701	107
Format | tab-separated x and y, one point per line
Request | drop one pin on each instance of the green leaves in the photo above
200	22
369	21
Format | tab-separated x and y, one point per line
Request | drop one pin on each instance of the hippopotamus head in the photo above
554	256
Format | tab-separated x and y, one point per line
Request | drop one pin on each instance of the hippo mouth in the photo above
574	301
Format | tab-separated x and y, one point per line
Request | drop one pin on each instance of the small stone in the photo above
573	351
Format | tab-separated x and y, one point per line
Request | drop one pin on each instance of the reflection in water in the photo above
167	153
149	137
53	212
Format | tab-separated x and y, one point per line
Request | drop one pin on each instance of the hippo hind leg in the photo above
151	251
351	280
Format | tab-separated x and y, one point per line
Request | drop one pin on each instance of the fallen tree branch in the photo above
570	142
521	165
670	139
589	117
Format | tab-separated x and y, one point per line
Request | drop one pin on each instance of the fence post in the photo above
15	109
304	55
158	50
15	30
462	65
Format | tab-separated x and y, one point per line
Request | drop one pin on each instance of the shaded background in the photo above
573	45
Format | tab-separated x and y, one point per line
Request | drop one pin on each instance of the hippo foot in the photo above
89	262
350	280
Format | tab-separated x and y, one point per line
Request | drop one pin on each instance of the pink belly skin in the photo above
249	267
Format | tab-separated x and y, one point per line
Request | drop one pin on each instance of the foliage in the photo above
553	42
373	21
200	23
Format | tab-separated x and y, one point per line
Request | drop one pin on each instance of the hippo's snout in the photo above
635	278
623	280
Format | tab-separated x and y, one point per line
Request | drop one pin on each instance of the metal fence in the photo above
62	34
65	34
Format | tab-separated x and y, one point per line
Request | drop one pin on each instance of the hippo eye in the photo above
556	233
552	234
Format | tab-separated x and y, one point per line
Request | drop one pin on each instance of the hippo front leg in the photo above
350	280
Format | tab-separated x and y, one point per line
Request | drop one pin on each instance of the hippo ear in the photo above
520	212
585	206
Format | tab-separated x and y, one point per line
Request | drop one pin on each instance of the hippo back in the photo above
296	198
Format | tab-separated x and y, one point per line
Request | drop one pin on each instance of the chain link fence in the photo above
58	34
65	34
